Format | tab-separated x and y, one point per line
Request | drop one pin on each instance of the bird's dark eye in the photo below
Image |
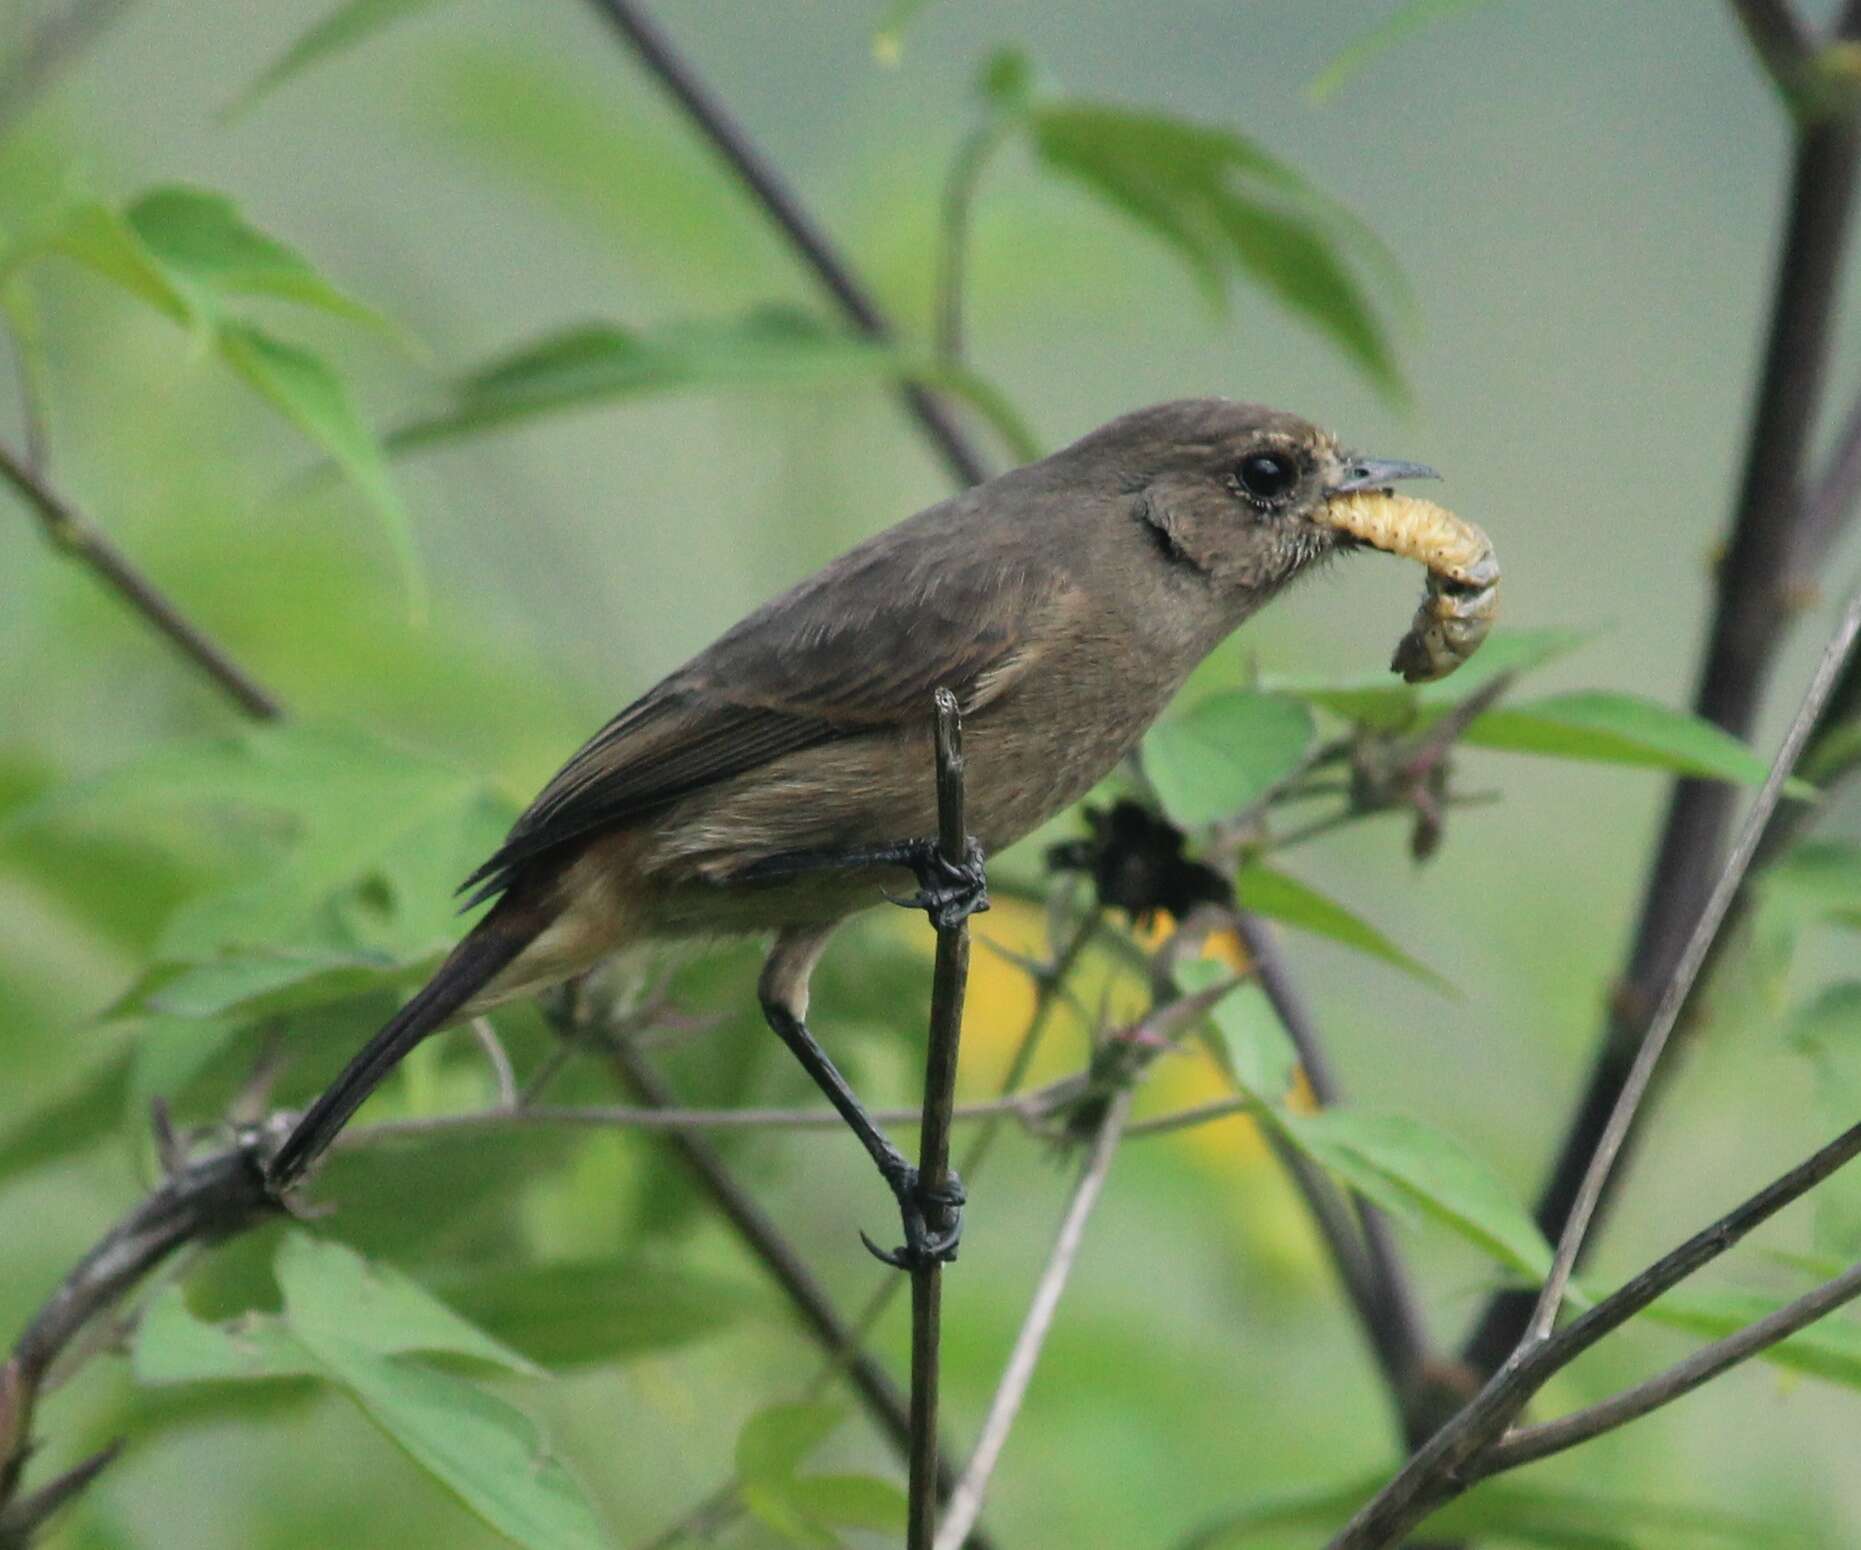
1267	475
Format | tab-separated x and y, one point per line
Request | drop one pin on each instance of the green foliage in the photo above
1412	1169
1408	1167
189	254
591	1312
1618	729
353	1324
1218	200
1278	896
1225	754
348	893
806	1509
599	363
348	26
1408	19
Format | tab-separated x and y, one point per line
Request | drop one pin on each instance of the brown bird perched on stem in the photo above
783	778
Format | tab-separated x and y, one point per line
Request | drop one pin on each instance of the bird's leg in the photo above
784	993
949	890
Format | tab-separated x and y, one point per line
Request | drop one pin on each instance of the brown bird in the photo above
783	778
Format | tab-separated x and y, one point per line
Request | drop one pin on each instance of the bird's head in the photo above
1236	492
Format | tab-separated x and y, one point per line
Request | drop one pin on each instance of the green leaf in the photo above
1389	704
373	840
851	1501
84	1110
1817	880
265	982
92	234
202	236
1398	27
1619	729
1226	207
1265	891
1409	1167
599	363
489	1454
1226	752
314	399
1254	1045
331	1289
173	1346
776	1441
352	23
578	1313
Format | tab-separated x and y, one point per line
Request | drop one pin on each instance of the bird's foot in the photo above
932	1220
949	891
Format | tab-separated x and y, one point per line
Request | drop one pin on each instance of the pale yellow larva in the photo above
1462	596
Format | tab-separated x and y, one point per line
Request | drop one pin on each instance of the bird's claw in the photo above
918	1206
948	891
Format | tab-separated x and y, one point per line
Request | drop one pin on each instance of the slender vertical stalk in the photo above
949	983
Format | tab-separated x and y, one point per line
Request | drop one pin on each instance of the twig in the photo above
1441	1468
1750	619
1680	985
85	542
493	1047
966	1501
950	980
1447	1464
53	46
1525	1445
765	1240
959	192
21	1521
1030	1107
203	1202
785	209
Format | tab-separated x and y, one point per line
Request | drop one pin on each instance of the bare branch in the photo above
69	530
1753	611
1448	1462
1527	1444
1680	985
729	139
949	983
52	47
202	1202
488	1041
966	1500
20	1521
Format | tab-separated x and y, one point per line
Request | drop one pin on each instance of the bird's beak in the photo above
1373	473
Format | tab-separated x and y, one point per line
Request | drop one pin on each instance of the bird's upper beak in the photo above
1373	473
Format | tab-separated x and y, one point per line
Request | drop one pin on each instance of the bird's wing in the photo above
857	649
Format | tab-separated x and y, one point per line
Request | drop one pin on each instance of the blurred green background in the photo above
1584	198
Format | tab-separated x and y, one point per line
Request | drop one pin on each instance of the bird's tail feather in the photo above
490	946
